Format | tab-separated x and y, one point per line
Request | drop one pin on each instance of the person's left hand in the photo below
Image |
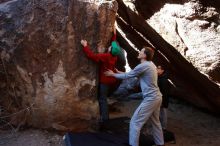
100	49
109	73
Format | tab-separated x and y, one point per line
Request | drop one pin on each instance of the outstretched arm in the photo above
137	71
91	55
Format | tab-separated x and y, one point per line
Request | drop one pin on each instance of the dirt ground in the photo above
191	127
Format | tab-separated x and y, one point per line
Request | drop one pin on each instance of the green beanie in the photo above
115	48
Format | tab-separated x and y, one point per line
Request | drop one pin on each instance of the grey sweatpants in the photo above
147	110
163	117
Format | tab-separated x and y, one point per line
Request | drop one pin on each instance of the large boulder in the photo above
46	80
191	26
188	83
194	30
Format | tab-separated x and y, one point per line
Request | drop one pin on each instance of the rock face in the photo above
188	83
192	27
195	31
45	76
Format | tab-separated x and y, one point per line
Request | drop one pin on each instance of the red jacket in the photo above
106	62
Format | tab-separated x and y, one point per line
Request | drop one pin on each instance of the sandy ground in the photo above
191	127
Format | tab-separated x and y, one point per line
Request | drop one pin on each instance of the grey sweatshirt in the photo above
147	74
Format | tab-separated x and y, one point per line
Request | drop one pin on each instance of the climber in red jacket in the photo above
107	61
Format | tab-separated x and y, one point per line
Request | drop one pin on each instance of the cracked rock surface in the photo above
45	76
194	30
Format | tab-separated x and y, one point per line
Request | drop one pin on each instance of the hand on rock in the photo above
84	43
99	49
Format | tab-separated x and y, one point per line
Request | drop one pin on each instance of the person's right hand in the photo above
117	71
109	73
84	43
